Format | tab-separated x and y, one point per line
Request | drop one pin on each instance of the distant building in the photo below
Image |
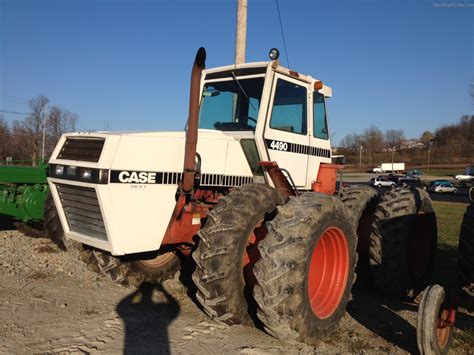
411	144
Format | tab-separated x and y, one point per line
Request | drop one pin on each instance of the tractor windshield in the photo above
231	105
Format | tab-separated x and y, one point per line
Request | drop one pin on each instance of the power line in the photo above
14	112
282	33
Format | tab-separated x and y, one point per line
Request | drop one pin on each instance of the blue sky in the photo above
392	64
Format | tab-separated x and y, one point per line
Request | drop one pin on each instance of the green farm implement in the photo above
23	191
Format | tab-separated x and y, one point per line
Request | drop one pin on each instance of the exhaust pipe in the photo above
192	131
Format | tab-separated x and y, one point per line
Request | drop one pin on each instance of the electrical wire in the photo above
282	33
14	112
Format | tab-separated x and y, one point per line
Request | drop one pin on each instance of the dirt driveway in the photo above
52	304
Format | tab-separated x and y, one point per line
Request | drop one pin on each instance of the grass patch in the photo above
444	172
449	216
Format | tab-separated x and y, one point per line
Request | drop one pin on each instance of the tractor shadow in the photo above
6	223
381	317
32	231
147	313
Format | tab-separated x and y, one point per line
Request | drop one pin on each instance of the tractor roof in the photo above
256	68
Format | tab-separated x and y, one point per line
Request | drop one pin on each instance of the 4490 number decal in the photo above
279	145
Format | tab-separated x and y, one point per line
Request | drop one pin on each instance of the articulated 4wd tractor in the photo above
250	191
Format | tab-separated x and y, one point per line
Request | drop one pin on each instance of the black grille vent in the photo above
83	149
82	210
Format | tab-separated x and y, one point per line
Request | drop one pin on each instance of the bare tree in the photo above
393	138
34	124
352	142
21	144
4	138
59	122
373	138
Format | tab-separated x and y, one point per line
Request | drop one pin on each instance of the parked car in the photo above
464	177
436	183
444	187
414	173
410	182
394	177
381	182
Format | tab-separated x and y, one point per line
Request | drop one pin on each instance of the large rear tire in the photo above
466	255
53	228
226	251
361	202
403	243
131	271
306	270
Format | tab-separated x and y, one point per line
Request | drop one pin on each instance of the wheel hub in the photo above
328	272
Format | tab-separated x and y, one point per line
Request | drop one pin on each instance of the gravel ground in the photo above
51	304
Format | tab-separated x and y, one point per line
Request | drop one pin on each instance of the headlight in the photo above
71	171
59	170
86	174
103	176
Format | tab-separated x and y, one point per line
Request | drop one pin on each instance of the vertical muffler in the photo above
193	118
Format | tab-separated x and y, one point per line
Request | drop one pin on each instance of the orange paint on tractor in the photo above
327	176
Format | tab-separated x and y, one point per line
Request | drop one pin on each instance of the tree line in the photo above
453	143
23	139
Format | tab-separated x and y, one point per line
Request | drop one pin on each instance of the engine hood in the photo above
221	152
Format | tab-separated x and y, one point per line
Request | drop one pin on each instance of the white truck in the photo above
386	167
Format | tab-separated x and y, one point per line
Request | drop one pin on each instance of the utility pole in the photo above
44	130
241	32
393	152
429	152
360	156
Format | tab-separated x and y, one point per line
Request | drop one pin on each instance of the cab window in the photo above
320	126
289	108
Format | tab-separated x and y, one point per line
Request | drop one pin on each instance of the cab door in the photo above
318	135
286	131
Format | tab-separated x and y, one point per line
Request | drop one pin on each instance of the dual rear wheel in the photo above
298	259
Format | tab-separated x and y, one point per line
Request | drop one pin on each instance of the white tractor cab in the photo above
117	191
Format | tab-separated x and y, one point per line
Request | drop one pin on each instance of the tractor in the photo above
23	190
249	191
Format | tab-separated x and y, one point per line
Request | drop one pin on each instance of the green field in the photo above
449	218
444	172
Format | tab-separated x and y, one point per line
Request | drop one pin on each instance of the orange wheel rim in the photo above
159	261
328	272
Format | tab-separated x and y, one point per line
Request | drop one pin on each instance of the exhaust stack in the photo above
192	131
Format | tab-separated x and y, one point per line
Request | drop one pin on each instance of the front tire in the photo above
227	249
131	271
306	270
433	337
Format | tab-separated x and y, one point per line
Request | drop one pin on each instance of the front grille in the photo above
82	210
83	149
